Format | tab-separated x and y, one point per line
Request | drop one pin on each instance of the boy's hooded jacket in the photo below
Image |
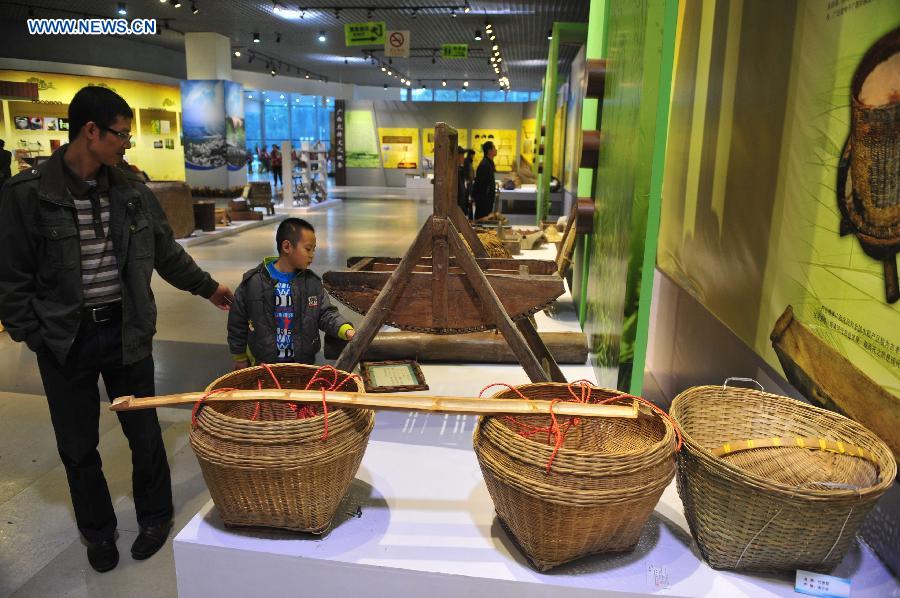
251	320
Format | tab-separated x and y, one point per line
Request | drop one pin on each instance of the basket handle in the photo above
815	444
736	379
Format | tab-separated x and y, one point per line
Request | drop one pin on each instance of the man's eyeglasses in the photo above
122	135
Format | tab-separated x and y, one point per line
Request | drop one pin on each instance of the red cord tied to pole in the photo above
556	432
327	377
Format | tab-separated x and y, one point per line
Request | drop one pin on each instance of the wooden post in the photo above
540	350
444	200
384	303
492	304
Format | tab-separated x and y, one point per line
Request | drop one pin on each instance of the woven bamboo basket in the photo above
601	489
779	507
278	471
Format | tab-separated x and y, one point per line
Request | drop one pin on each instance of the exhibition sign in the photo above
455	51
369	33
399	147
505	142
462	140
362	145
767	205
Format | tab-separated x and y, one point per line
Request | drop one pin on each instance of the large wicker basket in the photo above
601	488
266	468
781	507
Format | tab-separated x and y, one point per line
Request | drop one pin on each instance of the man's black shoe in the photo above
150	540
103	556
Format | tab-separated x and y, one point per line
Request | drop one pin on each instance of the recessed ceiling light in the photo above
256	38
444	83
237	53
322	36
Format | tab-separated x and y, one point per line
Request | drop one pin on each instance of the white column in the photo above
208	56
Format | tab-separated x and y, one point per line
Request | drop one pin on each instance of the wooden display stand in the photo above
473	294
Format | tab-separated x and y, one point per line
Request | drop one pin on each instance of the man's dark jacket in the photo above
251	321
484	189
41	299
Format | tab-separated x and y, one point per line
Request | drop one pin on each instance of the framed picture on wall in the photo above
21	123
35	123
170	144
62	124
158	144
50	123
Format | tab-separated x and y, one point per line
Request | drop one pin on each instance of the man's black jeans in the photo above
74	401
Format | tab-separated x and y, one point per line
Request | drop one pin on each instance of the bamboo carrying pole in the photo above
468	405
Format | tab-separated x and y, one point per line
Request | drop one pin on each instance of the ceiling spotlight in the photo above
194	8
499	59
497	53
390	61
424	86
488	26
272	73
385	85
163	1
322	37
250	58
345	60
369	14
256	38
249	97
465	83
495	47
277	38
337	13
444	83
466	7
306	76
281	96
492	36
383	69
453	13
408	82
237	53
123	9
493	59
415	12
478	35
390	73
177	3
402	80
550	34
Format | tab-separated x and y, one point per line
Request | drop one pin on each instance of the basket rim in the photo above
887	469
668	428
285	366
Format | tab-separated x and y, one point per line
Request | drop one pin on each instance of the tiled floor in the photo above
40	551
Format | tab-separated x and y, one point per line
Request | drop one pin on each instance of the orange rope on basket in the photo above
557	433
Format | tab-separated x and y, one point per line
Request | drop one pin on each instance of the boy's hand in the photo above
349	334
241	364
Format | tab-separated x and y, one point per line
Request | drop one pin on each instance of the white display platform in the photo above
419	522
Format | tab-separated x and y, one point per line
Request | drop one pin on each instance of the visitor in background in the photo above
484	189
462	188
263	160
275	162
469	169
5	163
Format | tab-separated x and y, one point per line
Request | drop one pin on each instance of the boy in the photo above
280	305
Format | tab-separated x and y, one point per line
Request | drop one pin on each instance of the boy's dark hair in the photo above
460	151
291	230
96	104
487	146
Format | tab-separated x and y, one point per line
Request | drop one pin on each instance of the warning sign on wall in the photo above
396	44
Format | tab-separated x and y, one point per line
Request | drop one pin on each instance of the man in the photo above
484	189
462	188
81	241
5	163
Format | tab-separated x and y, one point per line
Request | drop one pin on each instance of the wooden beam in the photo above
362	264
472	347
384	303
540	350
491	303
440	254
406	401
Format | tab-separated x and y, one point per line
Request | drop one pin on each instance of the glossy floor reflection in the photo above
40	551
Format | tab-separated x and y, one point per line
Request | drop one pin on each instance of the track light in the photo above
495	47
383	69
466	7
306	76
390	73
237	53
337	13
492	37
493	59
322	37
256	38
369	14
177	4
194	8
550	34
402	80
415	13
123	9
465	83
424	86
277	38
408	82
488	26
272	71
385	85
497	53
478	35
453	13
444	83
